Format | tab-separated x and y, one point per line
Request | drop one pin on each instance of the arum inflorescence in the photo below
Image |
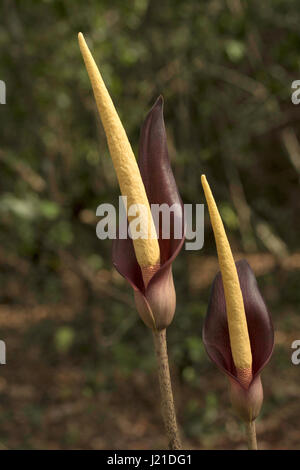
155	300
238	332
145	262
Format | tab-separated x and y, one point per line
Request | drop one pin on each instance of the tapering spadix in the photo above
236	317
131	184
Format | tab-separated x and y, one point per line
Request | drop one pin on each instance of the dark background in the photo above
80	367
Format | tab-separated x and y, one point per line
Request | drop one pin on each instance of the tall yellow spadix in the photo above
125	164
237	323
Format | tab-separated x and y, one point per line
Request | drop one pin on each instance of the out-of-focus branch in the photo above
32	178
291	143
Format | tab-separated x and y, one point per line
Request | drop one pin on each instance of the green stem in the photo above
251	435
167	401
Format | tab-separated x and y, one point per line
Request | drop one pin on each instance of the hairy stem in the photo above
251	435
167	401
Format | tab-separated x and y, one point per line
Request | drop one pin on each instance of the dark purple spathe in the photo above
160	185
260	328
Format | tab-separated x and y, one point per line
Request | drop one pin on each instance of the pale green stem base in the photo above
251	435
167	401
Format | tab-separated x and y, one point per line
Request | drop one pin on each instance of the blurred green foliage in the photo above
225	70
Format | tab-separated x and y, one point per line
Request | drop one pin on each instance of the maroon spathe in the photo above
260	328
157	301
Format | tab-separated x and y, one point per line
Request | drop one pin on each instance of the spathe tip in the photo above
160	100
159	103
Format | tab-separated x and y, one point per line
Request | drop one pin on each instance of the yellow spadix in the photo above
125	164
237	323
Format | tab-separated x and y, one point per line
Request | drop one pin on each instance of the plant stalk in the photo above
167	401
251	435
